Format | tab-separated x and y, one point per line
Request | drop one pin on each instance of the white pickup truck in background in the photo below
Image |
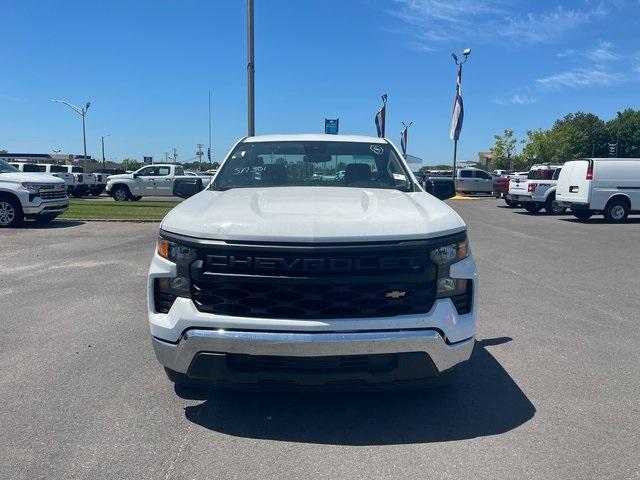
543	192
520	189
37	196
152	180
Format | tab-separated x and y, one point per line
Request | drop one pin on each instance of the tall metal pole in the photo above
209	150
102	139
251	112
455	158
84	139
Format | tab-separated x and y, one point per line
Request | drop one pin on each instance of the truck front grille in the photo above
53	194
280	299
353	281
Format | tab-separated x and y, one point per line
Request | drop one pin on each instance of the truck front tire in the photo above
120	193
10	212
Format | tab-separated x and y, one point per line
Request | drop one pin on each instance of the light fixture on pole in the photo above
458	109
82	111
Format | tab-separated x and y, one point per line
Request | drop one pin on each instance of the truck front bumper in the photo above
40	206
312	359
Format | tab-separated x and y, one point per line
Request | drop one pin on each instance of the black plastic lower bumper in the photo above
335	372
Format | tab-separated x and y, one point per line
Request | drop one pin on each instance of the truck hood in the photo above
18	177
312	214
120	176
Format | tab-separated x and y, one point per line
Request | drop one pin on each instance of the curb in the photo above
130	220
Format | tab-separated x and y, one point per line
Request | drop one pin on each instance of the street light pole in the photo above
251	111
459	64
103	159
82	111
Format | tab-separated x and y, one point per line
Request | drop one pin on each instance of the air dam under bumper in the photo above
193	343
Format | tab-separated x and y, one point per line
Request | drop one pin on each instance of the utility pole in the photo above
166	157
56	152
103	159
82	111
175	155
199	153
209	149
251	70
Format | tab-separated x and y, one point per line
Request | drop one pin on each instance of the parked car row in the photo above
79	183
607	186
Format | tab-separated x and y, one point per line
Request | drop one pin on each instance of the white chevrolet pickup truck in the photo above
152	180
285	272
37	196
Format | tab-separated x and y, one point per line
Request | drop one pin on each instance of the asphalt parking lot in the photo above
551	392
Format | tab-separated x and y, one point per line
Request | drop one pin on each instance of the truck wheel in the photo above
582	215
10	212
76	194
552	207
510	203
532	207
136	198
121	193
616	211
46	217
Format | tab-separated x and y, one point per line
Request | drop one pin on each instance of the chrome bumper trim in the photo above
178	356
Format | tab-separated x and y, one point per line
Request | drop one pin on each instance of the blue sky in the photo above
147	66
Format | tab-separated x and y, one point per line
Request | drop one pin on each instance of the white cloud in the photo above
602	53
436	21
566	53
596	76
522	99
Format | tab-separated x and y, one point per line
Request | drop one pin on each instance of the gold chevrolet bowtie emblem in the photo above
395	294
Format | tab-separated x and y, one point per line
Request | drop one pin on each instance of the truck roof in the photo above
315	137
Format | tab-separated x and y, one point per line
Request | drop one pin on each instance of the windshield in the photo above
6	168
313	163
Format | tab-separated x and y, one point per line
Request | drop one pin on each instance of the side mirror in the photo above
187	187
136	175
441	188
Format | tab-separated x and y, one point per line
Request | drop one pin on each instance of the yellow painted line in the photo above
464	197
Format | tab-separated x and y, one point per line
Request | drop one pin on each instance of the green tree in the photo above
584	132
625	129
503	150
131	164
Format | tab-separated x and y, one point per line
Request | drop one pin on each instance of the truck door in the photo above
144	183
482	182
464	181
163	181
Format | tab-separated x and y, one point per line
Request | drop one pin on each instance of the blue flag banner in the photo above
458	109
381	117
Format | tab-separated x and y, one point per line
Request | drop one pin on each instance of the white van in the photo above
610	186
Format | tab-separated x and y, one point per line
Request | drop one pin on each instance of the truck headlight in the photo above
444	257
32	188
166	290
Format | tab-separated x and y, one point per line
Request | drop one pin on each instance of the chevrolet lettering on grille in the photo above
233	263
